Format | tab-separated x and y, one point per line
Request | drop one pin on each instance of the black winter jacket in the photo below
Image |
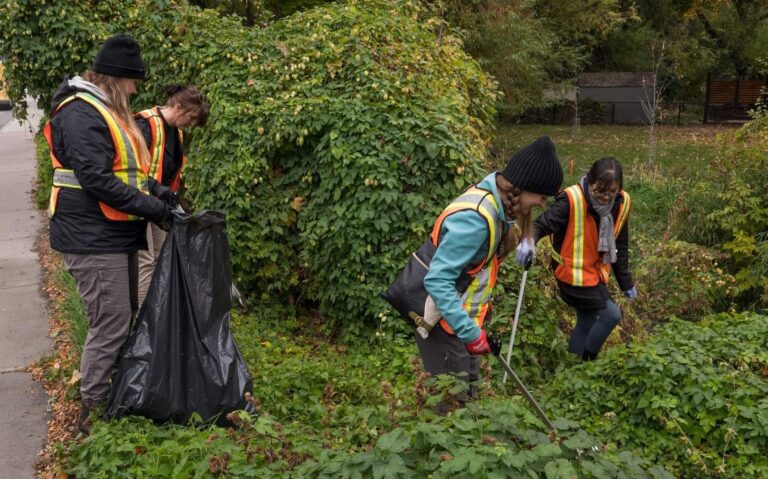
555	221
82	142
174	149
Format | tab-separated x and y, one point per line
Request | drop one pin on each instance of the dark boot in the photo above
83	421
588	356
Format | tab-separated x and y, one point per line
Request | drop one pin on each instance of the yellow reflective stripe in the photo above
159	143
623	213
52	201
578	235
492	241
125	149
489	211
477	295
65	101
119	138
469	296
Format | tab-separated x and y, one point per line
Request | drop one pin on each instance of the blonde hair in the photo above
523	224
114	87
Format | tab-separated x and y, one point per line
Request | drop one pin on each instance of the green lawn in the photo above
683	156
680	150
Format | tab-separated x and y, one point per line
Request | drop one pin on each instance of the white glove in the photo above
526	248
431	317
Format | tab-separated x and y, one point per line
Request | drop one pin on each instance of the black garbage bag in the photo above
181	357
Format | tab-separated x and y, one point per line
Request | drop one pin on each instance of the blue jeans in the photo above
593	326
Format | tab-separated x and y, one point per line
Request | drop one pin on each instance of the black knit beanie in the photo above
535	168
120	56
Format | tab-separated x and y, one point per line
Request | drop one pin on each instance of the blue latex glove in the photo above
525	248
631	293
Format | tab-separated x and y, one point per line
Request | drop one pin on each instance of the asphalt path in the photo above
5	117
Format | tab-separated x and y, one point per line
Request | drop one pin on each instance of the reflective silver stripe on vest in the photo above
65	179
478	294
480	291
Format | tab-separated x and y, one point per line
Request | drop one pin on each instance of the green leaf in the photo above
394	441
559	469
432	150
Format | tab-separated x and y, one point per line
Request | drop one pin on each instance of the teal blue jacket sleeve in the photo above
463	241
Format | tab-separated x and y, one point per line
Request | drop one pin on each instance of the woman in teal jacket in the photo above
472	235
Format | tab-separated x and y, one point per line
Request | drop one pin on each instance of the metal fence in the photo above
591	112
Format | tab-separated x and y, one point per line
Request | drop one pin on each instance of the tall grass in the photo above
71	309
42	190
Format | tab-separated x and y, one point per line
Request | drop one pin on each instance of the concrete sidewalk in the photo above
23	317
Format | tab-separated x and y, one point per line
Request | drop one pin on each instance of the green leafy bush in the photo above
694	397
44	168
335	410
353	130
541	345
742	190
336	135
493	440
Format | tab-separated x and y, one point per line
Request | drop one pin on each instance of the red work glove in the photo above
479	345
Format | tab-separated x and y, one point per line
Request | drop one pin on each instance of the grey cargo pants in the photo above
106	283
443	353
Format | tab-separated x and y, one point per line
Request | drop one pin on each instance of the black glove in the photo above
170	197
164	193
165	219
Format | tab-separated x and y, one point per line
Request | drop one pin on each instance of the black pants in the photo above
593	326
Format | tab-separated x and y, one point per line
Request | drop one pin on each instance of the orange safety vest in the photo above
126	165
582	264
476	300
157	147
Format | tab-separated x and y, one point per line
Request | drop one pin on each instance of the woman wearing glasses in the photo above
589	224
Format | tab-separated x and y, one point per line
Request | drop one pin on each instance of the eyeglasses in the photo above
604	191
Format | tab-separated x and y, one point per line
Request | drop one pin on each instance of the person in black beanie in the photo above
589	225
470	238
100	200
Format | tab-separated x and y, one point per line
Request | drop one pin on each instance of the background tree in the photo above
531	47
259	11
723	38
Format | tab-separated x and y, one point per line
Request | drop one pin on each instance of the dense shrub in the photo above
493	440
44	170
681	279
336	135
335	410
540	340
694	397
743	214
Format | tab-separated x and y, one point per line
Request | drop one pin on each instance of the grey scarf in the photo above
607	240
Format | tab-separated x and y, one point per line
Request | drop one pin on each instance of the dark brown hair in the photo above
604	172
190	98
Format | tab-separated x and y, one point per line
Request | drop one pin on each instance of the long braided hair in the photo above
524	224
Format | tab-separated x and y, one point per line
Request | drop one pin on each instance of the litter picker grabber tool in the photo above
495	345
528	262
